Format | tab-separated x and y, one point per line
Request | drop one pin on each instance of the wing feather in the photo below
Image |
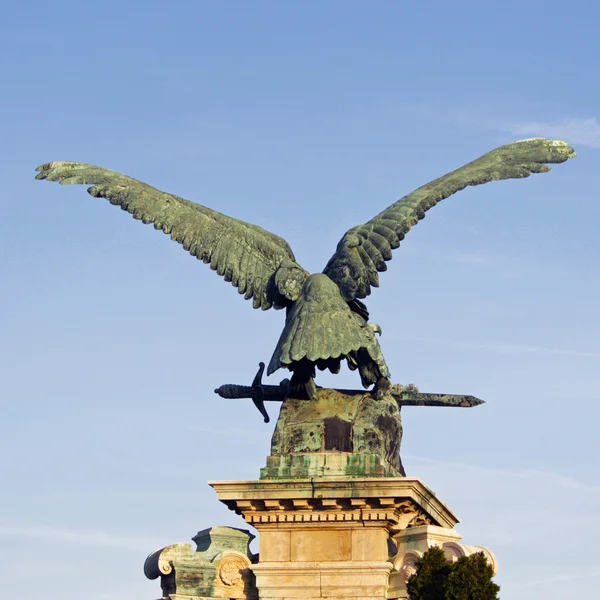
364	249
242	253
243	280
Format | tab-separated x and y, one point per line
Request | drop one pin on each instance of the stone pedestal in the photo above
331	537
336	517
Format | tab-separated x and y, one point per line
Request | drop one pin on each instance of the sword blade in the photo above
421	399
276	393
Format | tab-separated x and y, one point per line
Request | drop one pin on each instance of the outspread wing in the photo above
244	254
364	250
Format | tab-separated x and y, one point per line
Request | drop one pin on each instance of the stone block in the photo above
321	545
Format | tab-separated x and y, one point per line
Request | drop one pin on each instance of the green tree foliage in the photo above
429	582
470	578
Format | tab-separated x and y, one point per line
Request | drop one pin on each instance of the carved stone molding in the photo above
396	503
396	513
454	551
409	565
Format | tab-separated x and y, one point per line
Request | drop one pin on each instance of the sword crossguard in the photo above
258	392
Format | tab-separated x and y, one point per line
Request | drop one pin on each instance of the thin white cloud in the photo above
96	539
554	479
506	348
568	574
585	132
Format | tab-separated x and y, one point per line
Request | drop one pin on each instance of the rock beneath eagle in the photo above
336	433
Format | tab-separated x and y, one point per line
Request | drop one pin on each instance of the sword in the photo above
405	395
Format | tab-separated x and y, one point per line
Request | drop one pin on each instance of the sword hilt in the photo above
231	390
255	391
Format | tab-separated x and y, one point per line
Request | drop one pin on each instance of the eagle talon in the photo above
382	388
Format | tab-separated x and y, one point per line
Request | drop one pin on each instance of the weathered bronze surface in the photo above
350	433
407	395
338	432
326	320
219	566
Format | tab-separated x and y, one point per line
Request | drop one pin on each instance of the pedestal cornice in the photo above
401	502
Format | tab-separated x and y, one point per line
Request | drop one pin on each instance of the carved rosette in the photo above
230	570
234	577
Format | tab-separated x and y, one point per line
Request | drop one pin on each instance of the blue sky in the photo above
305	118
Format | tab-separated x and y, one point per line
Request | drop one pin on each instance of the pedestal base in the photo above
339	580
327	537
335	538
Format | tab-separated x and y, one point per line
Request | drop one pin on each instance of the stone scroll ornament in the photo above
326	320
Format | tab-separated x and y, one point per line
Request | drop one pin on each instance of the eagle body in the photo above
326	318
321	330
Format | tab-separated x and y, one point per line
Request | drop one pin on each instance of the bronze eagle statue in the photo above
326	319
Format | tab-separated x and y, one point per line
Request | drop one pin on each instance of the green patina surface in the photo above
333	433
326	318
214	541
185	571
337	433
